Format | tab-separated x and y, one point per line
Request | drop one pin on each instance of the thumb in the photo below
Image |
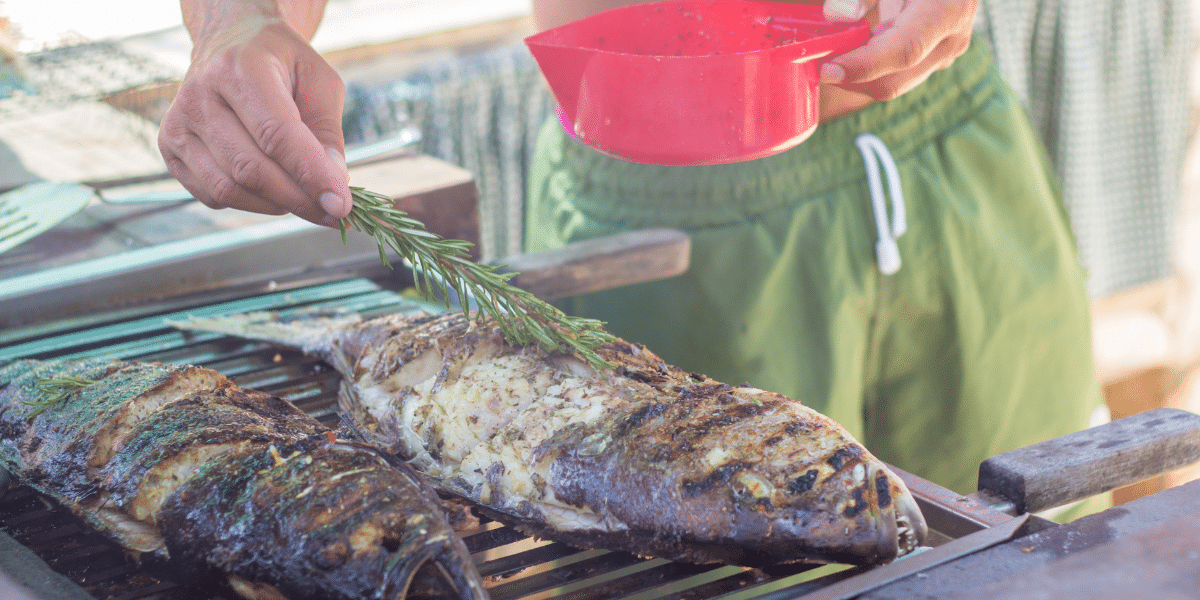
844	11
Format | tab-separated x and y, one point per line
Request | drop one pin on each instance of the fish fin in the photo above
458	567
350	429
310	332
439	569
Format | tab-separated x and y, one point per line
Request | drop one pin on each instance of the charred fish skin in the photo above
644	457
180	465
695	480
763	476
339	510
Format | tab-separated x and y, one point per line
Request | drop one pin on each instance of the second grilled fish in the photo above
643	457
179	465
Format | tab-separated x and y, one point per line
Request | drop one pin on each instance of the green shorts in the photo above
978	344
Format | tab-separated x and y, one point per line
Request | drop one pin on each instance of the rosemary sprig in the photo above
54	390
443	264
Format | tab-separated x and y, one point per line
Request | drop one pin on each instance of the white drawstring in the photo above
873	150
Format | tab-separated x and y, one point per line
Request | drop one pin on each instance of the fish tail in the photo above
310	331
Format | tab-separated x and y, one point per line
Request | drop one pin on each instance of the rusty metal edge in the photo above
913	564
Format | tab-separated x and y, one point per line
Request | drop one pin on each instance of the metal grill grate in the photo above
516	567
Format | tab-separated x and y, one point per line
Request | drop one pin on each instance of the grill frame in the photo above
514	565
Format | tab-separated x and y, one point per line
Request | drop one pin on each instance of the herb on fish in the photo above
54	390
443	264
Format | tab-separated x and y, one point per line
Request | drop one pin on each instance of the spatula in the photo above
31	209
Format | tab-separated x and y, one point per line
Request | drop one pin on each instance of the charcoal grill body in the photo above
48	555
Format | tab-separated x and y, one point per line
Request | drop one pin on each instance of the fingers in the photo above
228	194
294	119
258	127
215	168
322	112
912	39
889	84
845	11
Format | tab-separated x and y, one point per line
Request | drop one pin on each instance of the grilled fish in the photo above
642	457
182	467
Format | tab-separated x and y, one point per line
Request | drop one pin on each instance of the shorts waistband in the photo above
689	197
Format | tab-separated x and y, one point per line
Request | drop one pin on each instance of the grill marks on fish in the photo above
178	463
644	457
719	476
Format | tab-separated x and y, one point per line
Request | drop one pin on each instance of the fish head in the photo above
755	478
857	513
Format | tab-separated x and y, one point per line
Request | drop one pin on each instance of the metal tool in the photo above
30	210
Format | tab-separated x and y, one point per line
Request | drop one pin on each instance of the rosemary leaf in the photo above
54	390
444	264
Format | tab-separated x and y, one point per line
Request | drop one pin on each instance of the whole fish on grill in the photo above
642	457
185	469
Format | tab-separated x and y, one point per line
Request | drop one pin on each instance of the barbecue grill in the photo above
515	565
979	542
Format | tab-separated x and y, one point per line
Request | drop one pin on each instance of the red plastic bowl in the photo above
692	82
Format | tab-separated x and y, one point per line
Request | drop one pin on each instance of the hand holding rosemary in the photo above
442	264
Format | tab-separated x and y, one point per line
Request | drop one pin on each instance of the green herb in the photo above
443	264
54	390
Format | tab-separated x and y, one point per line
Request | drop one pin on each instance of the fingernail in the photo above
845	10
339	160
334	205
832	73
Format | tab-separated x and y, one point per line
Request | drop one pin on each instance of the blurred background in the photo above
1112	87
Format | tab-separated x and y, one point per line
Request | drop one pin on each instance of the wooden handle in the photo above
601	263
1093	461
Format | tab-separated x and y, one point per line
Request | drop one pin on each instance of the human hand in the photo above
909	40
257	123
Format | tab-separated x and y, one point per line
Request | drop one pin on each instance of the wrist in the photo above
213	23
217	24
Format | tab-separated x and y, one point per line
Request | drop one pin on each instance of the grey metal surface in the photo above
1160	563
25	576
273	253
1008	569
83	72
954	515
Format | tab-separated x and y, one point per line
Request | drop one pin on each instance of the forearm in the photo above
206	19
